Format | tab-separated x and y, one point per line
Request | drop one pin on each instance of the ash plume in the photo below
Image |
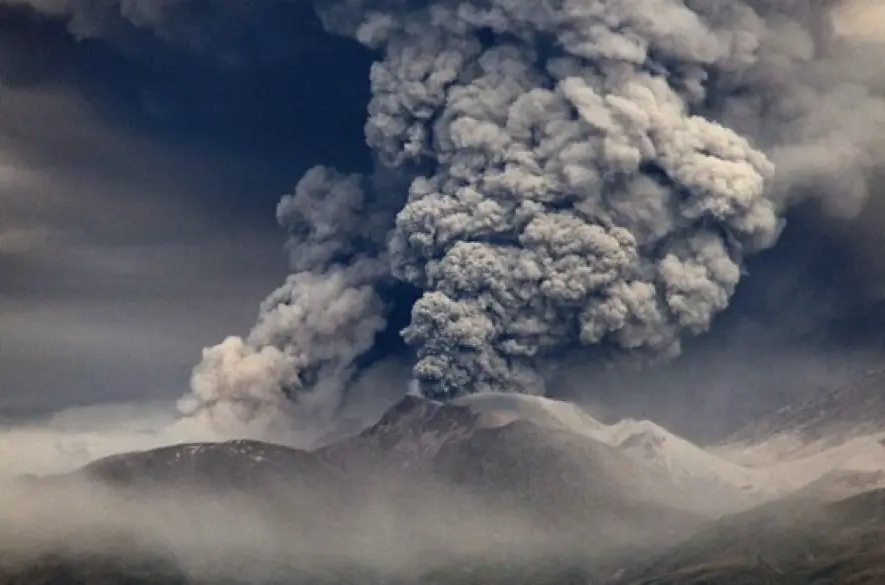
549	178
311	330
587	173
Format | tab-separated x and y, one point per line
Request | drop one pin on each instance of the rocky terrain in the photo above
489	489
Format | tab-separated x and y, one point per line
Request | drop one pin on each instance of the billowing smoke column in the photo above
310	330
549	175
581	172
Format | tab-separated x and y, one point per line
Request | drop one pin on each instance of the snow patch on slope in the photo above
749	473
682	460
644	441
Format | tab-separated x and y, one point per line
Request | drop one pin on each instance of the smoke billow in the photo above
580	174
310	331
547	176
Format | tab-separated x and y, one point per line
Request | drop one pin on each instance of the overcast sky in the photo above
118	264
137	200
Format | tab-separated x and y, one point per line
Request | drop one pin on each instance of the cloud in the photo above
73	437
517	199
865	18
564	178
136	205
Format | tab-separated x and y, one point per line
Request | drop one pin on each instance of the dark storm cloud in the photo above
138	178
110	276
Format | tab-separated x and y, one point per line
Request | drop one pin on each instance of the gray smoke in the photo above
550	175
588	185
310	331
582	173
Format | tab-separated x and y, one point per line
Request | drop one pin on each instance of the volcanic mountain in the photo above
842	431
798	540
489	488
448	482
553	473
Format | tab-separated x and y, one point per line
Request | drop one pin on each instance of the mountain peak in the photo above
409	433
414	415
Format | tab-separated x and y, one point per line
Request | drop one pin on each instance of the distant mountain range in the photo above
831	417
517	489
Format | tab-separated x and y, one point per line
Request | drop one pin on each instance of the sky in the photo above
137	201
138	183
114	272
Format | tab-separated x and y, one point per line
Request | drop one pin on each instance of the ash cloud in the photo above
586	174
583	178
90	527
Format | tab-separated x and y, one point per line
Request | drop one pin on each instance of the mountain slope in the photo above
489	489
551	474
240	463
793	541
710	482
828	418
840	431
430	487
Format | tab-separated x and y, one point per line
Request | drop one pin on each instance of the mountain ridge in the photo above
846	411
537	484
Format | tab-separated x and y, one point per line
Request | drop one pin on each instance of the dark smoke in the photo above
548	176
